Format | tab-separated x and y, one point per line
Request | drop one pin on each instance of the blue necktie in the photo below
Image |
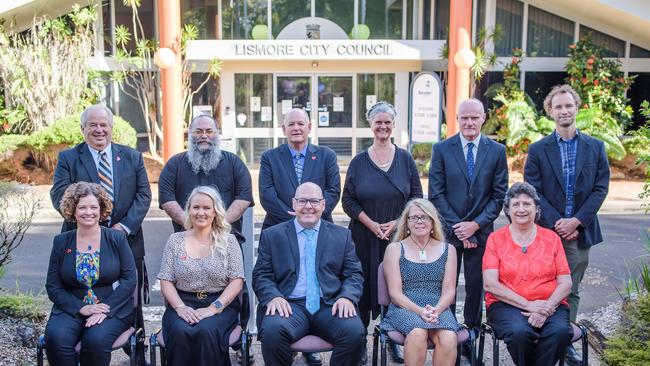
470	159
297	164
312	298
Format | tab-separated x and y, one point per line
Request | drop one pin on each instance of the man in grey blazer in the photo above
285	167
468	178
308	280
570	172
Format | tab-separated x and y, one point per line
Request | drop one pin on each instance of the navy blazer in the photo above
456	197
276	270
115	264
278	181
130	184
543	170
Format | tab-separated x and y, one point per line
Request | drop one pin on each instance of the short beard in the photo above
203	160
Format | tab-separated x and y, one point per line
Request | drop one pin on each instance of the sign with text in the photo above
426	108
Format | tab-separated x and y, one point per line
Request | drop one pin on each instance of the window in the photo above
340	12
254	100
480	14
286	11
342	146
490	78
383	17
614	47
539	84
205	96
638	52
250	150
124	16
441	21
638	92
240	16
509	16
203	15
371	87
548	34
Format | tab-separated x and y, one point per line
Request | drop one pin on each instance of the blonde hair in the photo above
560	89
220	227
402	223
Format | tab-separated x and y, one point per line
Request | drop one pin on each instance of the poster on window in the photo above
339	104
256	104
323	119
370	101
287	104
267	114
426	108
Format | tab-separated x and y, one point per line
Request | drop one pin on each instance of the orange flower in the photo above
590	61
596	82
585	106
584	80
572	46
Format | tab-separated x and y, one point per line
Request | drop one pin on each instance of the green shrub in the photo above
11	142
66	131
22	305
631	344
422	151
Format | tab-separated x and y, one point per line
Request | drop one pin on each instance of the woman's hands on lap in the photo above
428	314
205	312
188	314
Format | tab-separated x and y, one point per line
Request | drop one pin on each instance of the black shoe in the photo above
396	353
572	357
313	358
466	351
240	357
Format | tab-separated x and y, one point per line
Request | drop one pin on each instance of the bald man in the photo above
285	167
468	179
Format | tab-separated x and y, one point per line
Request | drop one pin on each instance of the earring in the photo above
408	232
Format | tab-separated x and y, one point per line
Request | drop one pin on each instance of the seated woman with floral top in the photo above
201	274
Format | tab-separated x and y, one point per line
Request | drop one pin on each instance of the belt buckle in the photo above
201	295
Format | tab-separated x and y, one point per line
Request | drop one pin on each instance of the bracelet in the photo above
179	306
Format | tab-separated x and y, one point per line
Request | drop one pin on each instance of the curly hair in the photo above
560	89
220	227
76	191
402	223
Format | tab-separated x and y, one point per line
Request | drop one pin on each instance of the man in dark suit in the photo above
468	178
570	172
308	280
285	167
119	170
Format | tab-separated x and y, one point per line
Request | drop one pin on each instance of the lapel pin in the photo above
184	257
68	251
117	158
313	157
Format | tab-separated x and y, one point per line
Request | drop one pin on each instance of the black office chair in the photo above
579	333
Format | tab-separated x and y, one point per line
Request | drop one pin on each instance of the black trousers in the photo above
63	331
203	343
277	334
472	260
529	345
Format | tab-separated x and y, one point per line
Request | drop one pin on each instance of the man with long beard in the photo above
205	164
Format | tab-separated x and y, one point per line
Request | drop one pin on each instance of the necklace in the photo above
526	240
379	162
90	247
422	253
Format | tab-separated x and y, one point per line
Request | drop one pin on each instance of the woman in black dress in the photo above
379	183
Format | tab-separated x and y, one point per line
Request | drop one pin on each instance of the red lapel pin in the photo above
117	158
68	251
313	157
184	257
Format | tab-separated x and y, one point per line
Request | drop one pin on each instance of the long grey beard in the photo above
203	160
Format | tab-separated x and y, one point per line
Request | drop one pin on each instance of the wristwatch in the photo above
217	304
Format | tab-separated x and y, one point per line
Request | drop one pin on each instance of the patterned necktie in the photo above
105	175
297	165
470	159
312	299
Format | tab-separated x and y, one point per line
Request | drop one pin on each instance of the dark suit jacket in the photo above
115	264
543	170
130	184
276	270
458	198
278	181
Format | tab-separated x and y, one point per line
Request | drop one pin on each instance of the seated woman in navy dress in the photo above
90	280
420	270
201	274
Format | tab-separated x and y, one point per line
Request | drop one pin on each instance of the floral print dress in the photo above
87	265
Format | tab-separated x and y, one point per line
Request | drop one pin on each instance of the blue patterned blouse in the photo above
88	274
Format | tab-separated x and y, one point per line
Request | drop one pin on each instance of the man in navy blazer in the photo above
129	183
278	177
308	280
570	172
468	178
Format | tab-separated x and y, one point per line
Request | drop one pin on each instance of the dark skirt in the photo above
204	343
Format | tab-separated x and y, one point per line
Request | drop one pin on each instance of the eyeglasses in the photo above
416	219
208	132
302	202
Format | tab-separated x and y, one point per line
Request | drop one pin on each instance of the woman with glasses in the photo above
379	182
201	274
420	270
527	279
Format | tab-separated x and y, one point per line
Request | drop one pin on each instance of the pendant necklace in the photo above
422	253
90	247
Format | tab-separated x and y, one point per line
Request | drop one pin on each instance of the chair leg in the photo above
163	360
375	348
472	346
244	349
40	346
132	347
481	344
495	350
384	359
153	343
585	346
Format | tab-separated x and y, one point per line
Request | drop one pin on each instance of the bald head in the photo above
296	114
470	117
309	188
296	128
308	204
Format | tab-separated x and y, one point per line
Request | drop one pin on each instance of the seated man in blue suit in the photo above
285	167
308	280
